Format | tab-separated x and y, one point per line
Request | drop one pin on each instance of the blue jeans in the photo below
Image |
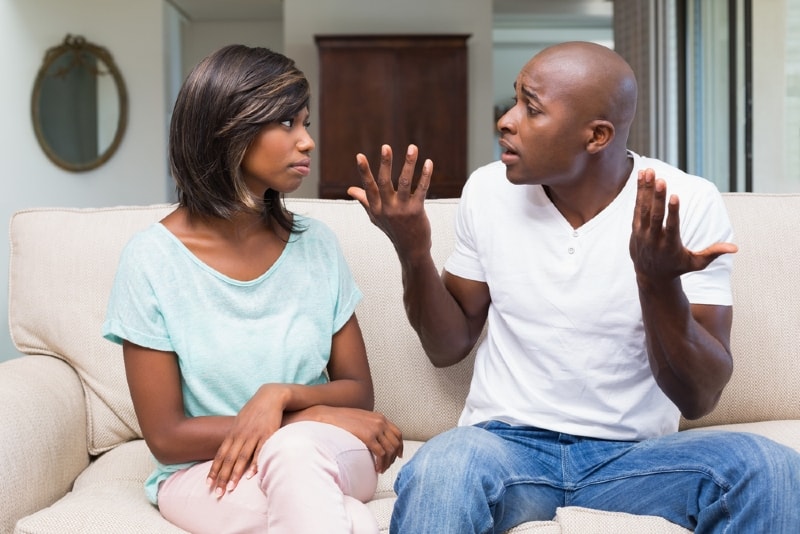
492	476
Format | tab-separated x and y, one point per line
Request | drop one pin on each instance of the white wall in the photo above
305	18
770	102
203	37
132	32
517	38
141	36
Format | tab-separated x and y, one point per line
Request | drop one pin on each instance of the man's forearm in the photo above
439	321
690	363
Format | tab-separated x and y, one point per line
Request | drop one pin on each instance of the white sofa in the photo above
70	449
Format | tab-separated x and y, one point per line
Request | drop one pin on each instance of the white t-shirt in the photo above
565	346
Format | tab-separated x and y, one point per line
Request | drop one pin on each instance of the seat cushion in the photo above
577	520
107	497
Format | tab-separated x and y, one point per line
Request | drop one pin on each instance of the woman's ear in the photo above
602	133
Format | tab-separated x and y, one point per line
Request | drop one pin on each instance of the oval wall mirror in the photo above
79	105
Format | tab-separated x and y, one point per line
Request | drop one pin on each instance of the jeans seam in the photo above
721	483
564	467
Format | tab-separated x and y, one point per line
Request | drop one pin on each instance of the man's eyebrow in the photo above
530	93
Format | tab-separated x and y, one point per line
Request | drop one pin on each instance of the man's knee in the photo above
453	458
747	455
768	458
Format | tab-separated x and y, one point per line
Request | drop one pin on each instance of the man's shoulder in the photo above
489	179
677	179
489	171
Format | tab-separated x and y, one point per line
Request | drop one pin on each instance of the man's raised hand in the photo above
656	248
399	213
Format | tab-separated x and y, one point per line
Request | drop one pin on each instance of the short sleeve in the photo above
133	311
706	222
465	261
349	294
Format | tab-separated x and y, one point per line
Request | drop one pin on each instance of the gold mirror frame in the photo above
79	48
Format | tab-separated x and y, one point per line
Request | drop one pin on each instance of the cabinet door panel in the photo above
395	90
433	114
353	104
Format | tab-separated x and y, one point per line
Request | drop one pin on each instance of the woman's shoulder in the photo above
314	228
147	243
315	234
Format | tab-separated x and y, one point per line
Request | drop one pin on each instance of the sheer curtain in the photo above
792	123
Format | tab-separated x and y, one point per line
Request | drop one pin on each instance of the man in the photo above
609	312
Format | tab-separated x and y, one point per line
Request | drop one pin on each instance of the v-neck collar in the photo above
621	201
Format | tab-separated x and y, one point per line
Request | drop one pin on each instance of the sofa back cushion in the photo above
62	267
765	337
421	399
63	263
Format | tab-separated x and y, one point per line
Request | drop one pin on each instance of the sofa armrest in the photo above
43	437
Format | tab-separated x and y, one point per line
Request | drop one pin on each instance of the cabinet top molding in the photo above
391	40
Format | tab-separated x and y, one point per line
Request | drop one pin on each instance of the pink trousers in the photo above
312	478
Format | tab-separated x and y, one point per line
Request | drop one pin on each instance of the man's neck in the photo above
581	202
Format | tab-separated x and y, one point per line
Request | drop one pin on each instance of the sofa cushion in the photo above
57	302
785	432
42	434
61	313
578	520
766	361
107	497
417	397
537	527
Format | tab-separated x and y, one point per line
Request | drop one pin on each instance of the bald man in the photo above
605	280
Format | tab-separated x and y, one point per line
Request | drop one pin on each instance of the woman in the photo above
243	354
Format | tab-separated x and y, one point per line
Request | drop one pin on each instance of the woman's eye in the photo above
287	122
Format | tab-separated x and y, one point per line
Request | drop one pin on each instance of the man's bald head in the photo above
597	81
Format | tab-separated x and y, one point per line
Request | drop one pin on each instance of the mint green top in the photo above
231	336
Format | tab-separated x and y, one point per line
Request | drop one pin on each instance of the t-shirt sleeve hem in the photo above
455	268
347	311
117	333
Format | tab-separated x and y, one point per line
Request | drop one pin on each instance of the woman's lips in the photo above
302	166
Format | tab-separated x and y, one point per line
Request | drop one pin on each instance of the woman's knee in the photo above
289	445
309	438
319	451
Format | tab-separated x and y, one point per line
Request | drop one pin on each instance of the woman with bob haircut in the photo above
243	354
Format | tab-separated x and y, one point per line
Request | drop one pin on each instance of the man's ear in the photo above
602	133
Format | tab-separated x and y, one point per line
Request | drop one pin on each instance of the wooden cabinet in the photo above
396	90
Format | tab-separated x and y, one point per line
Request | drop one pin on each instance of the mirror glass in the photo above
79	105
